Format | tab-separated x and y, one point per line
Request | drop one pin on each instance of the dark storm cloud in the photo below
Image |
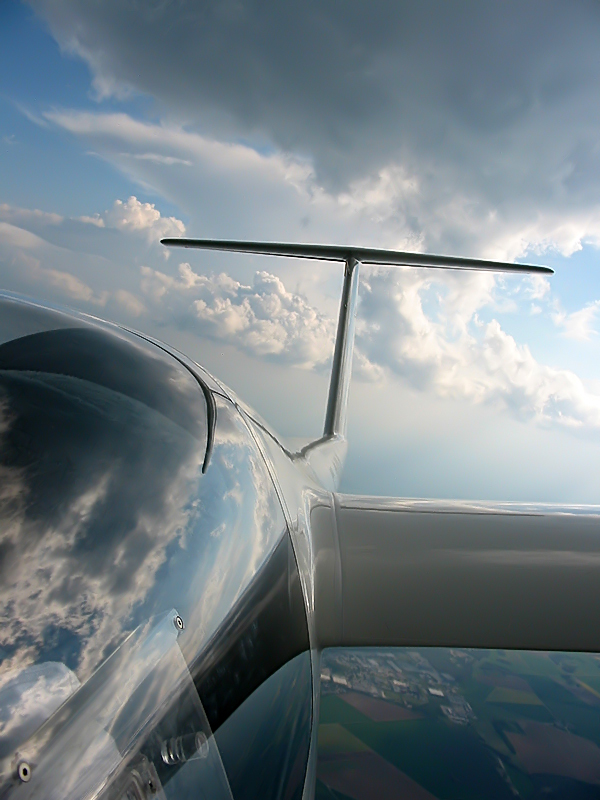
491	107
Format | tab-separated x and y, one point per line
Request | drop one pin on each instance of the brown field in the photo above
504	680
542	748
502	694
585	692
335	739
368	776
378	710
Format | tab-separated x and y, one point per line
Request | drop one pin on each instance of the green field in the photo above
463	747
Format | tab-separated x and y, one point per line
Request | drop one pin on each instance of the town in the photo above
404	677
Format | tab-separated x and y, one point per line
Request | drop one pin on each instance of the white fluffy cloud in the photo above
129	215
132	215
449	351
263	319
455	354
78	260
436	332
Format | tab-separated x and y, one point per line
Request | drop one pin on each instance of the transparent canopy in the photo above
153	636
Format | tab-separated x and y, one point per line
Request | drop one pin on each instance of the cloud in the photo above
132	304
82	260
18	237
481	362
389	67
29	697
578	324
71	286
436	333
436	117
132	215
403	205
450	352
157	158
20	216
23	254
263	319
95	220
537	287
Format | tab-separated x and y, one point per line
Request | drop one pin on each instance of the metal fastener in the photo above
178	622
201	744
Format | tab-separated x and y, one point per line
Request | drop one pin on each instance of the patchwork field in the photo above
378	710
547	750
368	776
501	694
459	725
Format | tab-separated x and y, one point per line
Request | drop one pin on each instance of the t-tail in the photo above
326	455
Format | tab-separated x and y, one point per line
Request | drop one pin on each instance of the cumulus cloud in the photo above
73	259
455	354
263	319
133	215
449	351
436	332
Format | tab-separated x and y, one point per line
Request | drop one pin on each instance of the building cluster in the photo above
404	677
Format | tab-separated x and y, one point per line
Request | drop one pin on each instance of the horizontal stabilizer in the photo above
365	255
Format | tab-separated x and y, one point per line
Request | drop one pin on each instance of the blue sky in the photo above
419	126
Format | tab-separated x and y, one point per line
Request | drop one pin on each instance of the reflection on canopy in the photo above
106	521
95	485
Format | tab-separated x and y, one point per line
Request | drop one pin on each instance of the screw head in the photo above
24	771
178	622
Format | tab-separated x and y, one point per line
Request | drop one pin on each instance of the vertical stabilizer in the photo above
341	368
326	455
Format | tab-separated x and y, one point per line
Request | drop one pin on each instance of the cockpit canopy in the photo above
143	597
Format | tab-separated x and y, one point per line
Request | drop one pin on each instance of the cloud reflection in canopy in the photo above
107	519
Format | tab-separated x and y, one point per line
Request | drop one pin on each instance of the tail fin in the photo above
352	257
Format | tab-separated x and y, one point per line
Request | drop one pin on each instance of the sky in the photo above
465	129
